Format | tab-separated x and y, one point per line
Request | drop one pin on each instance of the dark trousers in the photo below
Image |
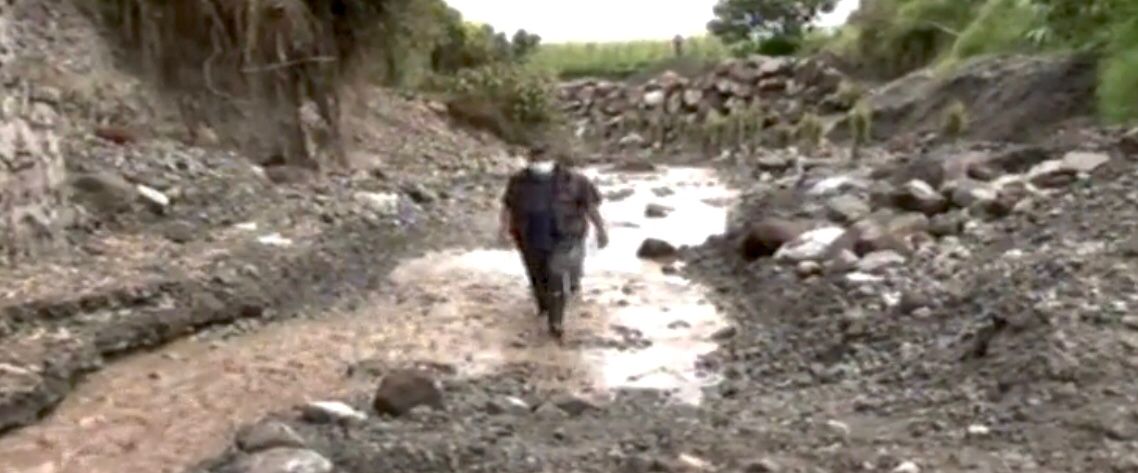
551	274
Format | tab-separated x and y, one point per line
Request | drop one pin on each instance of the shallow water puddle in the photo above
161	411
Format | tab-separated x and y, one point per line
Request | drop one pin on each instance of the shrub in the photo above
860	120
808	132
511	101
955	119
1118	76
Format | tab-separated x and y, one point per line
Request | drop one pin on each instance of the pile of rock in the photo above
780	89
856	223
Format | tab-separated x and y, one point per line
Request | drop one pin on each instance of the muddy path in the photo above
637	325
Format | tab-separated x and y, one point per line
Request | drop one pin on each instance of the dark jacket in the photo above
573	195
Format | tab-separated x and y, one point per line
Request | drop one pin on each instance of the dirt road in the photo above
637	325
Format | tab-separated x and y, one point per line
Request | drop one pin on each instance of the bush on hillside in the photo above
512	102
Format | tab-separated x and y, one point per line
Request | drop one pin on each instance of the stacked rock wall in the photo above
774	90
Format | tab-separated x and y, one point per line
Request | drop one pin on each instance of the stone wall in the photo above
774	92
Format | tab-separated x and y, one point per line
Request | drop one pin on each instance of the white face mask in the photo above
541	167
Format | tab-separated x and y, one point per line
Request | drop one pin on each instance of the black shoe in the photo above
556	331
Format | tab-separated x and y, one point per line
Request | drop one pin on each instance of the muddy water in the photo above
160	412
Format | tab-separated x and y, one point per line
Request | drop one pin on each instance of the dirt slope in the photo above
129	237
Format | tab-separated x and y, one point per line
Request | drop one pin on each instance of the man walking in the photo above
546	209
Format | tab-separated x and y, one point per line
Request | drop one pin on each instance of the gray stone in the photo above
330	411
879	260
846	208
268	435
403	390
283	460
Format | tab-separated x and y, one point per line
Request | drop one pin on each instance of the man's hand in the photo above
602	238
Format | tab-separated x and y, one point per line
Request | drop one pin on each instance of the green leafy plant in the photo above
955	121
860	119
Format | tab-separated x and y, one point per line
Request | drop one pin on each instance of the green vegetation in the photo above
860	119
955	120
893	37
808	132
771	27
619	60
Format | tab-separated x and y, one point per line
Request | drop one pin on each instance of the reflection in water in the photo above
161	411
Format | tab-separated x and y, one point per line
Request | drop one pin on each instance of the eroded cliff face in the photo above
32	171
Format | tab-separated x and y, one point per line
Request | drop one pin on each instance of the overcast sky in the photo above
605	20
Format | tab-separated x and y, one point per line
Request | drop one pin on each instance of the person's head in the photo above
540	160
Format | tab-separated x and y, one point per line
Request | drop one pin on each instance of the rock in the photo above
507	405
617	196
403	390
654	98
419	194
1084	162
574	406
811	245
657	211
180	232
1128	144
653	248
946	224
632	140
806	269
878	260
386	203
154	199
772	162
1130	322
911	301
102	191
1061	172
977	430
919	196
331	411
725	333
663	191
764	465
549	411
907	467
846	209
766	237
283	460
967	193
268	435
907	224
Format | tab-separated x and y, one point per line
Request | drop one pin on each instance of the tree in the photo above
739	22
523	44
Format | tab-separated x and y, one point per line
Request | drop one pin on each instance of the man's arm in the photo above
593	211
505	222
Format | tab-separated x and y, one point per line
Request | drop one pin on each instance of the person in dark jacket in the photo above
546	210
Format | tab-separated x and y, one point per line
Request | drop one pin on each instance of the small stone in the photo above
655	249
1130	321
878	260
977	430
549	411
919	196
268	435
657	211
573	405
806	269
725	333
811	245
283	460
765	465
907	467
766	237
846	209
403	390
331	411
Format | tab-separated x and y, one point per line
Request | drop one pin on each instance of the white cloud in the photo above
606	20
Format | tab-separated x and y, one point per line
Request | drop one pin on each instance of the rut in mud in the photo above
638	325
